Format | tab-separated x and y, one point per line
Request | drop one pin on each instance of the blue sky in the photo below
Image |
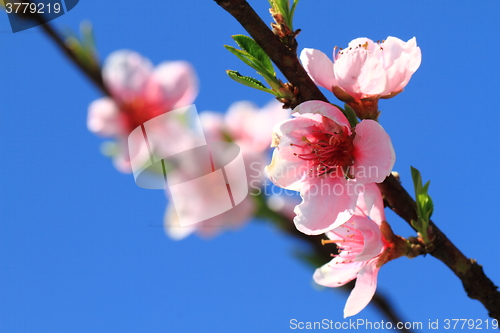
82	248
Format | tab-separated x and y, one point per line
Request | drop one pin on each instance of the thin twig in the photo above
93	75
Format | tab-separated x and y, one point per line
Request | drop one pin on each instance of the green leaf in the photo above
251	47
417	179
428	206
283	7
83	45
425	188
244	56
425	206
251	61
88	36
257	65
350	115
415	224
249	82
292	12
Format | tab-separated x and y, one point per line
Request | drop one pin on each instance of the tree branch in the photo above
94	75
476	283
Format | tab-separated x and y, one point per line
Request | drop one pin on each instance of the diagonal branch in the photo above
94	75
476	283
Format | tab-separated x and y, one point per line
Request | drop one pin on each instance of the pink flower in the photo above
140	93
365	71
319	154
245	124
232	219
365	243
250	128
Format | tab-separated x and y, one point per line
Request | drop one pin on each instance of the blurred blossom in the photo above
365	71
319	155
250	128
140	92
283	204
364	243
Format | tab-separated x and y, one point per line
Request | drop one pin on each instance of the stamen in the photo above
327	151
330	241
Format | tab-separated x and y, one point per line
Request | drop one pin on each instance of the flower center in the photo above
138	111
349	245
327	152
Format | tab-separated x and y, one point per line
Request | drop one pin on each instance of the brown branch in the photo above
93	75
283	57
476	283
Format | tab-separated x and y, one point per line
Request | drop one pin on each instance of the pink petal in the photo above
393	48
121	159
251	126
234	218
372	236
402	70
358	72
362	294
286	169
415	55
240	120
104	118
327	202
401	60
125	73
262	129
319	67
372	80
178	82
213	124
347	69
371	204
336	274
325	109
285	173
373	153
397	76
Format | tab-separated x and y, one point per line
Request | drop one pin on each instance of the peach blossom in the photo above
362	247
139	92
365	71
319	155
